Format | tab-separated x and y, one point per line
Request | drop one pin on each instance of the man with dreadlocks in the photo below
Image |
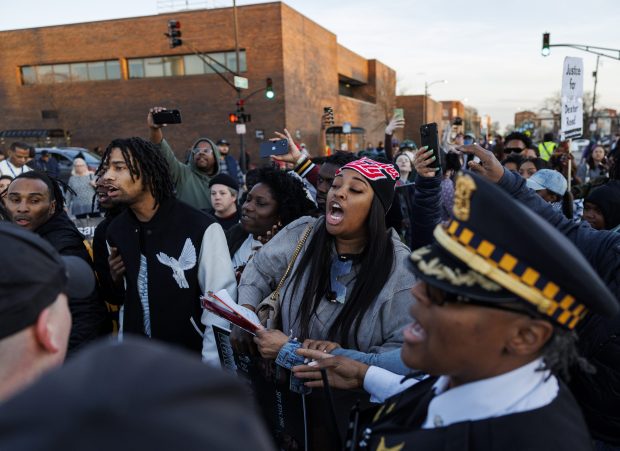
167	252
35	202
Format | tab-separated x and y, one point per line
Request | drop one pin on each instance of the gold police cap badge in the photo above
464	187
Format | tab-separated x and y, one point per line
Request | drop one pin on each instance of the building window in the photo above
49	114
356	89
69	72
180	65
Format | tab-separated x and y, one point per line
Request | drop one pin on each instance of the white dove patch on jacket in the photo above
186	261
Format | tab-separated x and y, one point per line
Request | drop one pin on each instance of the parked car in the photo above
65	157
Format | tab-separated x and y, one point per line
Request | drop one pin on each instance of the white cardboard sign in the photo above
572	98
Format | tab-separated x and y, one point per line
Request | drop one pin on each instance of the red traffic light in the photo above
174	33
233	118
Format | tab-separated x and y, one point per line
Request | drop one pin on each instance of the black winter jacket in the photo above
90	317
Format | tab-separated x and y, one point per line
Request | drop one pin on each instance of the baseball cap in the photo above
408	144
34	276
548	179
222	142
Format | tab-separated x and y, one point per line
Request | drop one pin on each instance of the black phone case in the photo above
430	138
167	117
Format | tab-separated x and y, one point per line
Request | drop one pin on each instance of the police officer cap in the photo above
495	250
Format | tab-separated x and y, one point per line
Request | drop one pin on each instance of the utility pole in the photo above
242	160
595	74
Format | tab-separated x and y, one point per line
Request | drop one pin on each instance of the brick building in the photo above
415	110
97	80
525	119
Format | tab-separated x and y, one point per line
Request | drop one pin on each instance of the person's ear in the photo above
52	208
530	337
44	332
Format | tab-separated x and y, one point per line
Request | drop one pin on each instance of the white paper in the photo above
572	98
234	307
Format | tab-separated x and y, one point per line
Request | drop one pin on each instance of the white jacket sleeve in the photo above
215	272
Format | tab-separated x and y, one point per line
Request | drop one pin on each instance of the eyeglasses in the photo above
196	150
440	297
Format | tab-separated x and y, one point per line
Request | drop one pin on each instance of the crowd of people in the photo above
471	304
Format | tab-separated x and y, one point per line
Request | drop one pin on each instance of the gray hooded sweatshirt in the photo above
192	184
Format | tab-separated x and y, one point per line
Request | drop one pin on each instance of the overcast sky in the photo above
488	51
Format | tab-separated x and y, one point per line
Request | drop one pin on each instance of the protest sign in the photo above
572	98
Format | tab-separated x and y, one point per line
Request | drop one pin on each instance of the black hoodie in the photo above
90	317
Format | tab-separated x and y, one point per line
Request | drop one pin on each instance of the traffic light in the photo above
545	46
233	118
174	33
269	93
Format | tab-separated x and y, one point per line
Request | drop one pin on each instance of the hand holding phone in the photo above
167	117
430	139
268	148
328	116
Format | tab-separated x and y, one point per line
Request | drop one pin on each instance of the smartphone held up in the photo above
430	139
167	117
269	148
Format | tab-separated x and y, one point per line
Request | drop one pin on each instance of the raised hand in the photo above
293	155
395	122
489	167
423	160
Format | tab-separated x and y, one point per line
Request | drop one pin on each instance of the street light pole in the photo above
592	119
426	86
242	159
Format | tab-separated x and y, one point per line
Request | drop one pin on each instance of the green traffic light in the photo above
545	45
269	93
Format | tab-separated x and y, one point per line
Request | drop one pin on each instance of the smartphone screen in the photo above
399	113
268	148
430	138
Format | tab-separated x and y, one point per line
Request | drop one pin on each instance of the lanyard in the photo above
10	166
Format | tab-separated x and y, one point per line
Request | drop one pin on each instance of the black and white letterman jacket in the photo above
186	255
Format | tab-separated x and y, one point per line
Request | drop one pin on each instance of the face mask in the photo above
468	141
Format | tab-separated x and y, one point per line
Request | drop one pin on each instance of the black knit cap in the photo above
607	199
473	257
381	176
32	276
224	179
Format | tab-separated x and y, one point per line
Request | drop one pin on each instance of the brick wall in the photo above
413	107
